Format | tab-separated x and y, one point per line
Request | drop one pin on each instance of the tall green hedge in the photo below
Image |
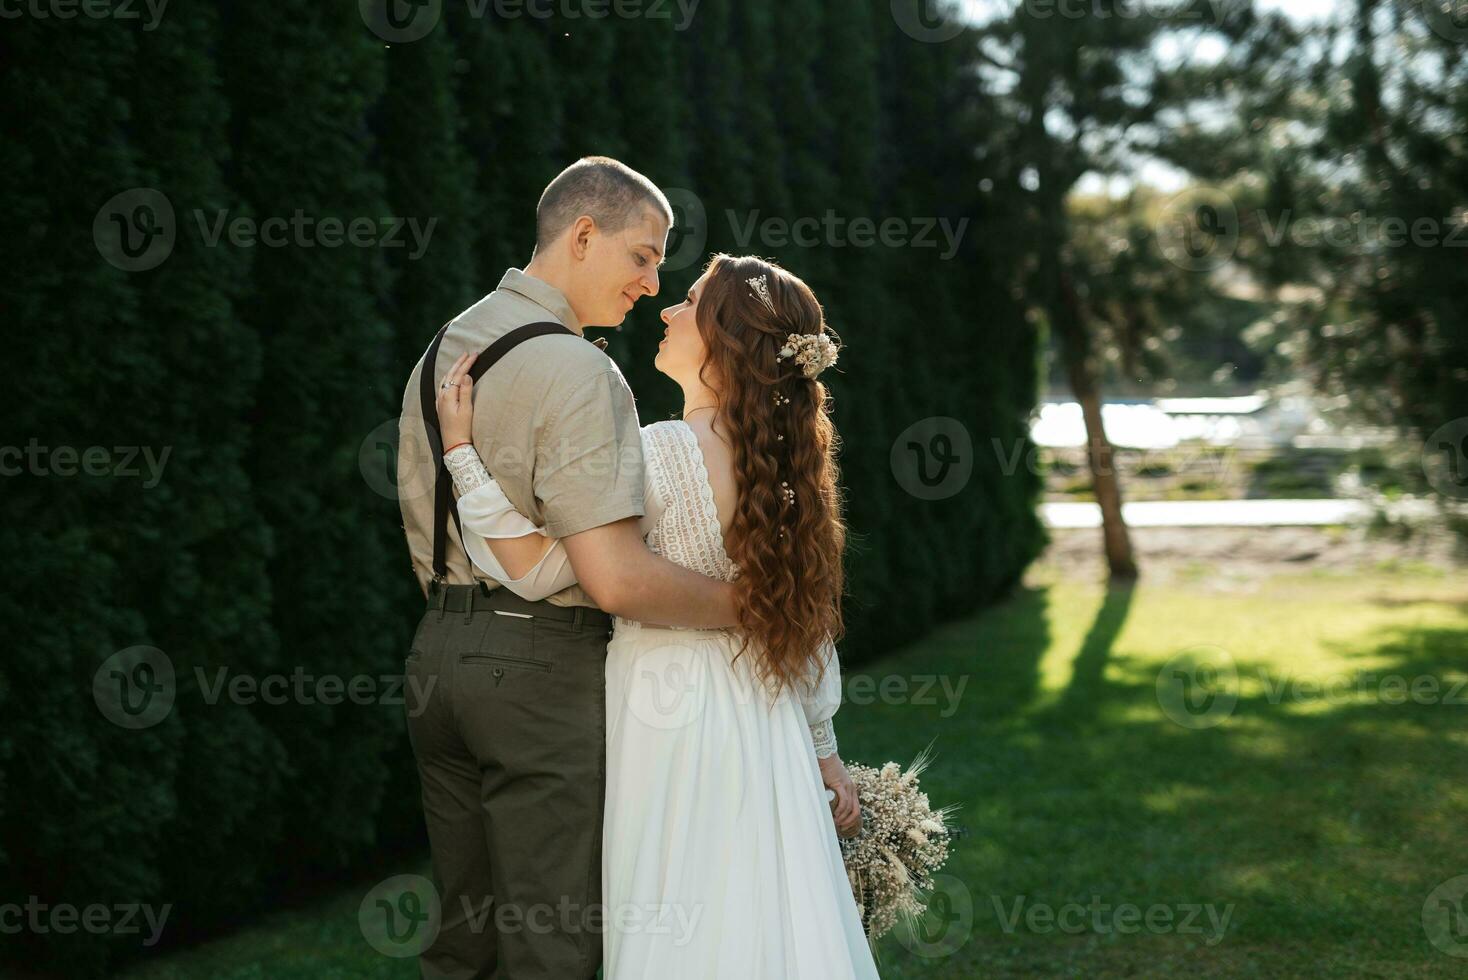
271	374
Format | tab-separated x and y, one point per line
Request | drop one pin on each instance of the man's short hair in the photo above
611	192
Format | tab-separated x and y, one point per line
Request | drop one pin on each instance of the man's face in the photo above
622	267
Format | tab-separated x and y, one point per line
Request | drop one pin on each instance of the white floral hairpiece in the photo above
814	352
762	291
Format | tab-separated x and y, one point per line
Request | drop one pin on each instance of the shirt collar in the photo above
543	294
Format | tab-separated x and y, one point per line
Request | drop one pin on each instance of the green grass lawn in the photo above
1284	829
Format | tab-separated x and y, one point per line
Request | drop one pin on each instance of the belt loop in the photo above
443	597
578	618
469	605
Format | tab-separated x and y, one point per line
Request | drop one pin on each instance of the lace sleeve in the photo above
485	514
822	702
823	735
466	468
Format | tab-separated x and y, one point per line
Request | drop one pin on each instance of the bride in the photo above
719	848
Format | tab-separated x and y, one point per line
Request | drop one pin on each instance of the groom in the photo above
510	742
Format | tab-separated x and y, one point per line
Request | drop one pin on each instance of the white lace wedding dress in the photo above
719	854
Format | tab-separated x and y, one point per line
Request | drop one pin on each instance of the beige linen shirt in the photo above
554	422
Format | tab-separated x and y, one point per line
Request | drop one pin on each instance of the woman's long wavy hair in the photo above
789	584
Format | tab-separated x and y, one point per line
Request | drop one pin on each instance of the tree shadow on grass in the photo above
994	659
1321	824
1006	668
1086	690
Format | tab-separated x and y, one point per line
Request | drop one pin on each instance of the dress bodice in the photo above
681	521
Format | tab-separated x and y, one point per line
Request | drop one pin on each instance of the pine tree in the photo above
857	309
1068	114
338	568
271	547
720	158
482	76
584	52
513	104
429	179
656	137
74	791
198	551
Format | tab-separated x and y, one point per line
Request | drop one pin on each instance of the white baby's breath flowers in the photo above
814	352
902	843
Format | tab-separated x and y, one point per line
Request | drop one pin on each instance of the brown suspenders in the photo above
443	493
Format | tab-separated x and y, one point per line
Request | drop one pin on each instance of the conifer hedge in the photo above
266	542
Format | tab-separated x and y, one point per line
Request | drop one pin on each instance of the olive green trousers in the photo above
507	718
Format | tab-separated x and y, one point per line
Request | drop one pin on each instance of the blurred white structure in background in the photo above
1286	418
1129	425
1236	513
1264	420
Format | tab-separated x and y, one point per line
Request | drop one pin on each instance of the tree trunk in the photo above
1070	322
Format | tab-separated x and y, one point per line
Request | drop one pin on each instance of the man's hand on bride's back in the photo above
615	567
456	403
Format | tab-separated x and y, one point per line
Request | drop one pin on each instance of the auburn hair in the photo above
788	552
